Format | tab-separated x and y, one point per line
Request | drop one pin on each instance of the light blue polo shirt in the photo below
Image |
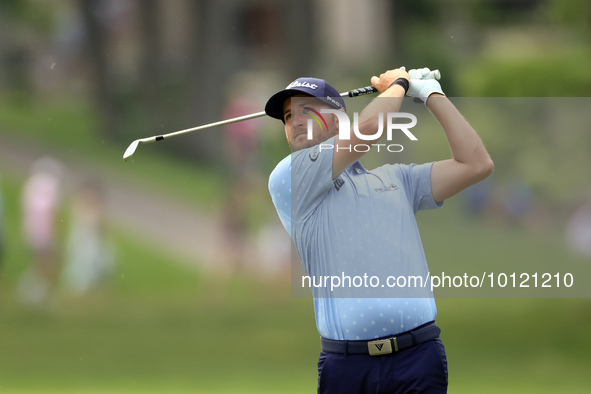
361	223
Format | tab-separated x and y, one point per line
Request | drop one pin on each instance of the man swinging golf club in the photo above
344	218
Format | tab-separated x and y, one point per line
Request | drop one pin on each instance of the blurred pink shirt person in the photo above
40	200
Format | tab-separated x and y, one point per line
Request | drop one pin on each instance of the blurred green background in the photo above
193	291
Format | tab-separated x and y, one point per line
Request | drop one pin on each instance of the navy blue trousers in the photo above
419	369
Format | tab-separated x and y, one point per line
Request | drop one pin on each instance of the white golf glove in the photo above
420	87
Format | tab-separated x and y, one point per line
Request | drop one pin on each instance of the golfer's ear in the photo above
335	122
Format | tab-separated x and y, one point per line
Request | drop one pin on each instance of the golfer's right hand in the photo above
385	80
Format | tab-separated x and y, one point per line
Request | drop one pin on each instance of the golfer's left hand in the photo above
420	87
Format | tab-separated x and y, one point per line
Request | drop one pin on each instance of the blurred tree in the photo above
20	22
150	82
528	46
104	96
300	49
29	11
418	36
501	12
229	38
15	63
575	14
207	71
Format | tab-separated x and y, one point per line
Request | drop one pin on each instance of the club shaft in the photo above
220	123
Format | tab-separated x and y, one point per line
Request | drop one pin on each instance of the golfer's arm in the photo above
471	162
344	153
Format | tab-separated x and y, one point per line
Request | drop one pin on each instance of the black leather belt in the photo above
379	347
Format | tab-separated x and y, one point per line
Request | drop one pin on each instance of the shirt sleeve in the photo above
301	181
417	185
280	191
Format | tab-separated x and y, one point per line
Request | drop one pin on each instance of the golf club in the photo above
435	74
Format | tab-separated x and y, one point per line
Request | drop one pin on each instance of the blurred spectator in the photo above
89	258
518	201
40	200
478	197
241	153
578	230
235	225
240	138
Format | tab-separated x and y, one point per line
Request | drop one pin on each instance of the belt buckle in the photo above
380	347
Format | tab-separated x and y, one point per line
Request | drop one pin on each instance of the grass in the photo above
255	344
455	245
151	344
160	328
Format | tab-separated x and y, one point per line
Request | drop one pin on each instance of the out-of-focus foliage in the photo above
553	74
572	14
501	12
34	13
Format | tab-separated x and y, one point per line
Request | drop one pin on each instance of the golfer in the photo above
347	220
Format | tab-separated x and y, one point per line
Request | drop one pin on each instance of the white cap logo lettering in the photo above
296	84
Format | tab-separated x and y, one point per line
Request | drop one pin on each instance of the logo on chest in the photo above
392	187
313	155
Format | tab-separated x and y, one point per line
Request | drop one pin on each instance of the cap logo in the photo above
297	84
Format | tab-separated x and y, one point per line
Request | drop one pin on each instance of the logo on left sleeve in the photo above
338	183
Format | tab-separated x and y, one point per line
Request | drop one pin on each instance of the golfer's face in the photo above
296	117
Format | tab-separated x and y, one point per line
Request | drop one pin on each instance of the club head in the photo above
131	149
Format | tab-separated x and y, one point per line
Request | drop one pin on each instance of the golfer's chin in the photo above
302	142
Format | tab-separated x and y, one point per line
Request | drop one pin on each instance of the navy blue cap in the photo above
312	86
